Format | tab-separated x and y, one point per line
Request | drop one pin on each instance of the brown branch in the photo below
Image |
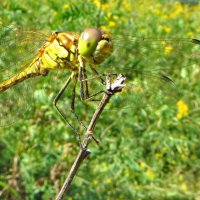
111	89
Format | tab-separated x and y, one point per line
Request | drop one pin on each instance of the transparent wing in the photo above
18	46
17	49
148	64
148	54
15	102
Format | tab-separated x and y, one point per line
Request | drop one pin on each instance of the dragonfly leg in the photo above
57	98
84	83
90	98
73	103
82	76
98	75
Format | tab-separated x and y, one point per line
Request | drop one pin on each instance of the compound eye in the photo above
85	36
91	34
88	41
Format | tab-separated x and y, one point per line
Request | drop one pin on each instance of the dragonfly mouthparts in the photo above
195	41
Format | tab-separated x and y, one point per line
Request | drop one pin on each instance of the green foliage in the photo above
145	152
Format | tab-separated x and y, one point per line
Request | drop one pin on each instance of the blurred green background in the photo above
148	152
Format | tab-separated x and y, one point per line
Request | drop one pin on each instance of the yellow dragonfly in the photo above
76	52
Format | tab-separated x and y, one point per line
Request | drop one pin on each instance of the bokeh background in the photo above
145	152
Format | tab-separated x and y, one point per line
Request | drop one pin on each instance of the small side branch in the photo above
111	89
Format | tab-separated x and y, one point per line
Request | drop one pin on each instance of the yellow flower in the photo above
143	165
184	187
178	9
66	6
167	29
112	23
127	6
109	15
97	3
190	34
115	17
104	6
105	28
183	109
165	16
168	49
156	11
150	174
163	43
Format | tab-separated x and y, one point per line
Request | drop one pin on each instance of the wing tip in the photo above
196	41
167	79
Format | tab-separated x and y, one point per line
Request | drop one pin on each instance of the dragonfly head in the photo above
94	43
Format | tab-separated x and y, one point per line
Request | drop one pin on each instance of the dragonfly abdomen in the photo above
27	73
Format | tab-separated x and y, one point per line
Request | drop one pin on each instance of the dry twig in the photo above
111	89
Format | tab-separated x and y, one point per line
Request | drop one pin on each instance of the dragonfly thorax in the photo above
94	45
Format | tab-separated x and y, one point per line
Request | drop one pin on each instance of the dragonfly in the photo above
76	52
